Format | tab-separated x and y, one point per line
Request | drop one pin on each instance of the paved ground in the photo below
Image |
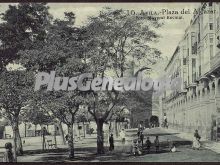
85	151
212	145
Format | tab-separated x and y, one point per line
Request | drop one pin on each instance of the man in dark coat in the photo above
111	142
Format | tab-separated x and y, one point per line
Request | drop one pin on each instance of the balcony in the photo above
200	70
193	77
206	67
215	61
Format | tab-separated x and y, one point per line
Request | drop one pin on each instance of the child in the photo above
135	148
148	144
8	155
173	148
157	143
196	140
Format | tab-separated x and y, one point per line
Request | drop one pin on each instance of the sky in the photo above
171	33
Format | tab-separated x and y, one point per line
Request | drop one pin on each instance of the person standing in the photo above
165	121
142	138
43	134
140	127
111	142
138	134
8	155
157	144
148	144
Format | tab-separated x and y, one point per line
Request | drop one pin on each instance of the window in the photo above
210	4
194	48
218	42
193	70
193	63
200	70
184	61
211	26
210	17
218	24
211	40
211	51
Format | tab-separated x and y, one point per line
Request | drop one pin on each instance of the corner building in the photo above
197	61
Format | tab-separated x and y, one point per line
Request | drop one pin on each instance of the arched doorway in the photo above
154	121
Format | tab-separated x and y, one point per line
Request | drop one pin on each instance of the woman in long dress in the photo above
196	140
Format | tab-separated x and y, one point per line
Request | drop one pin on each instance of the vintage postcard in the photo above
110	82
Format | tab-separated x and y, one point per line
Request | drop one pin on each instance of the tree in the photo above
62	52
35	114
15	88
82	117
65	109
115	40
23	27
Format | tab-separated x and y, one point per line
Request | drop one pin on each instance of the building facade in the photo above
196	61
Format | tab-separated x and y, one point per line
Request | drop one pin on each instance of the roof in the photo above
174	55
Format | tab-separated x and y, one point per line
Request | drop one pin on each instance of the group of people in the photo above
138	145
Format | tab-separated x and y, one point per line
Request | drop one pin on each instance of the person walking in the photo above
157	144
8	155
111	142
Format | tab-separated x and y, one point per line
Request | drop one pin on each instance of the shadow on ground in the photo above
88	154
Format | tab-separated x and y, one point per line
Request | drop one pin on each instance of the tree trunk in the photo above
35	130
116	128
100	136
79	132
25	129
55	135
18	149
62	133
84	130
70	141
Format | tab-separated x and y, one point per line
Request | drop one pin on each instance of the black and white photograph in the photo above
109	82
